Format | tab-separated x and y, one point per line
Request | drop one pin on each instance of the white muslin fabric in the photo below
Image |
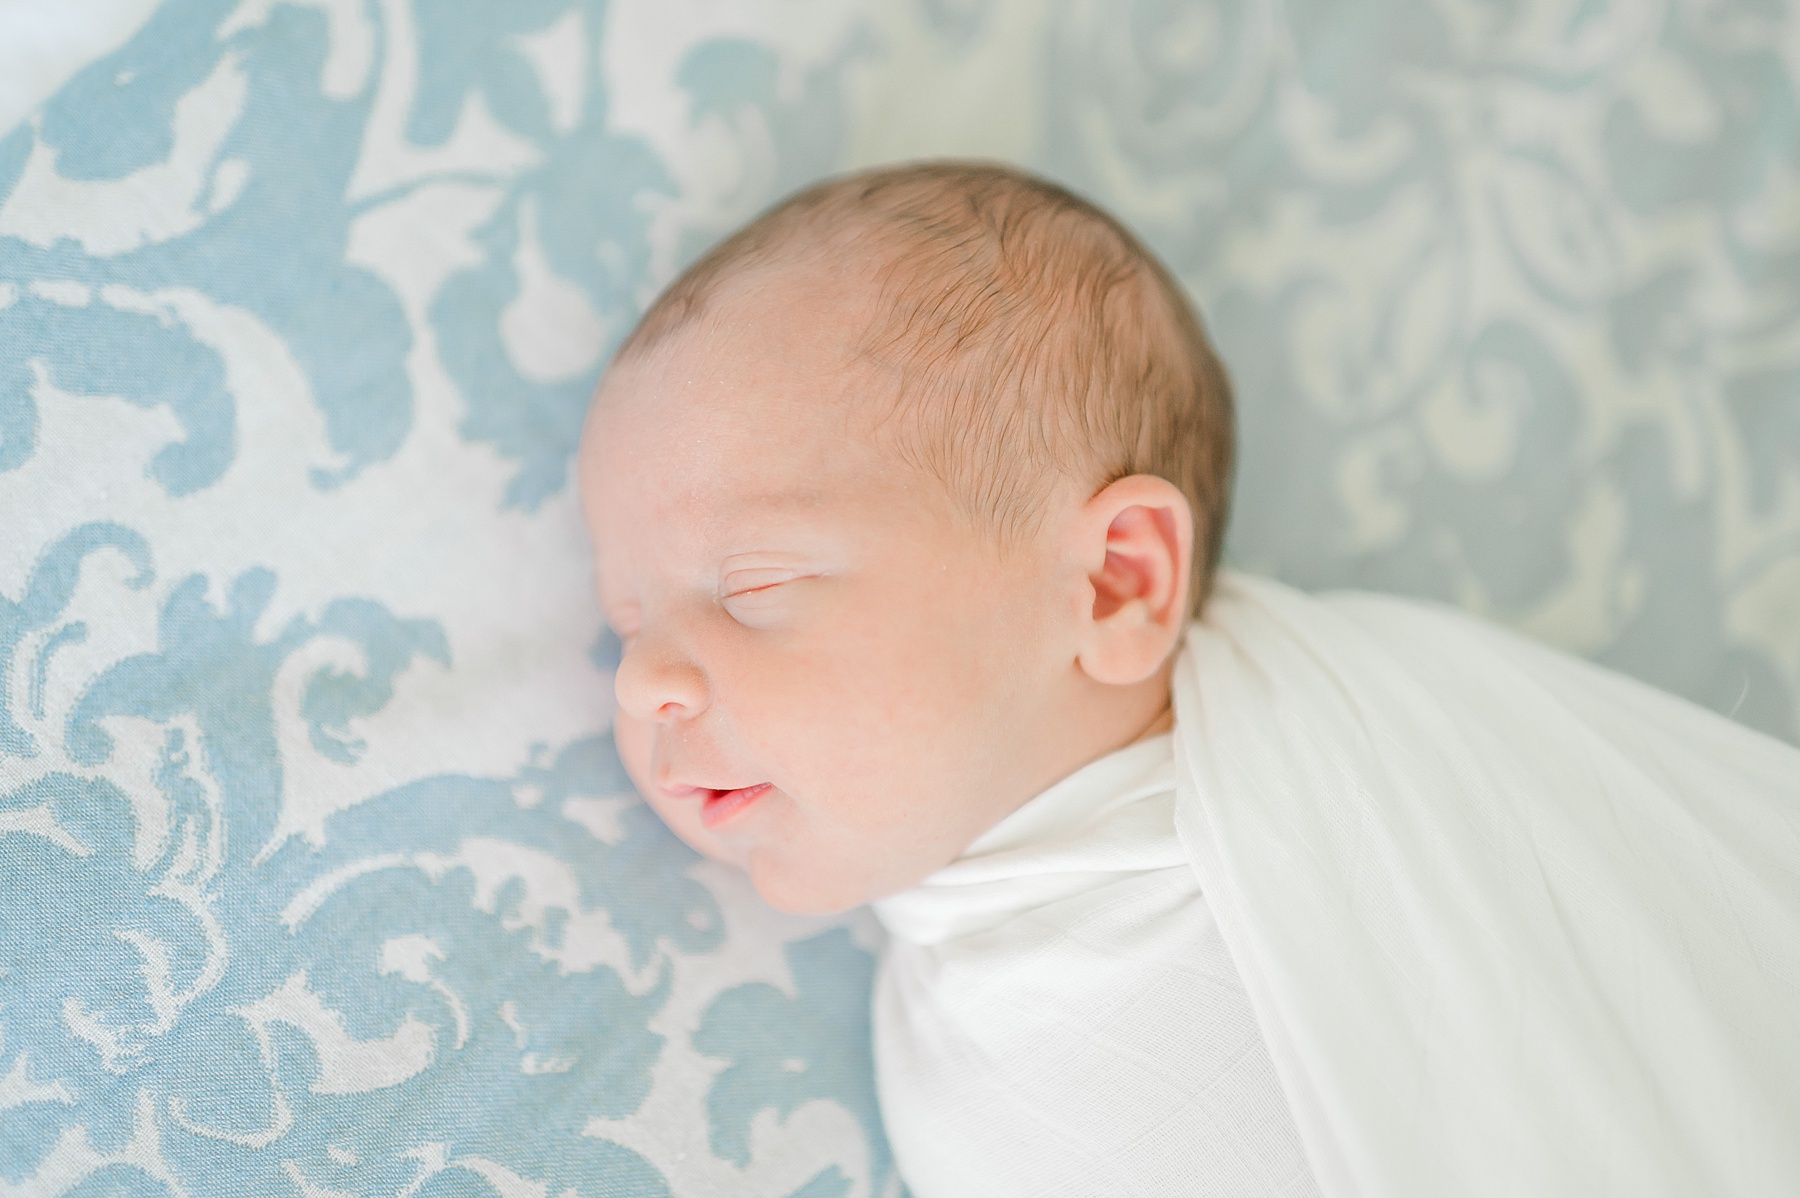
1055	1012
1504	922
1512	924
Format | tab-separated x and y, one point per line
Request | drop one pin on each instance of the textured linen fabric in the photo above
1055	1011
319	874
1511	923
318	871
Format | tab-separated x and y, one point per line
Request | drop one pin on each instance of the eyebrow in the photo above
798	499
803	497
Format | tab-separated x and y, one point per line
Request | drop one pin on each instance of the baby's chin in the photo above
775	884
796	887
685	823
800	895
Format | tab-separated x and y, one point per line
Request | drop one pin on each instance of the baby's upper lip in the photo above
681	790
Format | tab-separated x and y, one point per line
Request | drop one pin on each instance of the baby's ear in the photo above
1136	540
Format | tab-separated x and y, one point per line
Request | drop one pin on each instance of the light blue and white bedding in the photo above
318	873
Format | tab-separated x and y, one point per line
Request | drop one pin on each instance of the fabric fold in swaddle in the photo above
1499	923
1056	1013
1511	924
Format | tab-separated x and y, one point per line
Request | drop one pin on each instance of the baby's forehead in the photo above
747	408
782	346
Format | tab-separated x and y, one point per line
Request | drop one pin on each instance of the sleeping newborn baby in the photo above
907	503
902	499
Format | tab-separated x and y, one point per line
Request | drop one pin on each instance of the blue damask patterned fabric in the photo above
318	872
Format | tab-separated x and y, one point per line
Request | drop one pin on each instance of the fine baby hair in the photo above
1030	335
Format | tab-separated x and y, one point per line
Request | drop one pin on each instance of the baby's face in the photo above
803	615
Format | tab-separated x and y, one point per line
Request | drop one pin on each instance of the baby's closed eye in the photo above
740	583
756	596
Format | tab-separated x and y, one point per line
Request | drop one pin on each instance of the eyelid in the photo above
744	582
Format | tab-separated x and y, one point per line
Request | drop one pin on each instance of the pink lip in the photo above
721	805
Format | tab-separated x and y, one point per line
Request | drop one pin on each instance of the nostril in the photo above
659	683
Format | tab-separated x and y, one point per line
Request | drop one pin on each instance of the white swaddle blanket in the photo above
1509	924
1057	1014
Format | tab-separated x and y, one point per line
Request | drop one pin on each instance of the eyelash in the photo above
754	581
761	606
625	638
750	601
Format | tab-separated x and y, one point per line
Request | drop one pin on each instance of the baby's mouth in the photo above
721	805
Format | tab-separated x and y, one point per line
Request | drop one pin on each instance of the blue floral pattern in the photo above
323	876
1511	297
319	874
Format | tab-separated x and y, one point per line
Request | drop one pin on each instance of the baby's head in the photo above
901	500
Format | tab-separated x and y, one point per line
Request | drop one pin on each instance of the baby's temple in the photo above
949	600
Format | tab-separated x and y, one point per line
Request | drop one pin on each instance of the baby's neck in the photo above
1164	722
1094	722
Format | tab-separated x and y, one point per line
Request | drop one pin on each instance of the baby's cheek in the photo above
632	740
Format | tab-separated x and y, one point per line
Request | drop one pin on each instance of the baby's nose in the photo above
655	681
